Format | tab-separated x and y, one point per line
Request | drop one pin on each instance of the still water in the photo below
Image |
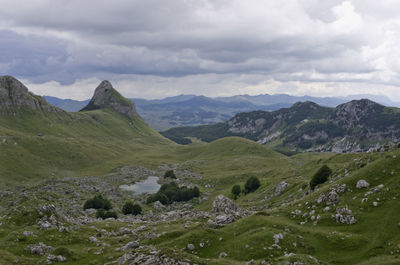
149	185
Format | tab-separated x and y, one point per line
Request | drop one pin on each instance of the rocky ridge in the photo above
106	96
356	126
15	97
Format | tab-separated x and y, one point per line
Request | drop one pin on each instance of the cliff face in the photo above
105	96
14	97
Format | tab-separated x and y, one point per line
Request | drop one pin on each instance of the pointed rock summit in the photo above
14	97
355	112
105	96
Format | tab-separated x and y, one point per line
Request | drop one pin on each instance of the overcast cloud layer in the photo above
158	48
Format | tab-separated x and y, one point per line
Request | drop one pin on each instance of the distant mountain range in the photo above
355	126
192	110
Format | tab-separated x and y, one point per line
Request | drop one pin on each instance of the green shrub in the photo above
159	196
103	214
251	185
97	202
130	208
321	176
171	192
169	174
196	192
236	190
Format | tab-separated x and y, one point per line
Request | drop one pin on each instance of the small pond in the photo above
149	185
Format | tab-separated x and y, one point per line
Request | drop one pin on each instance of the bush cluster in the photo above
169	174
321	176
130	208
252	184
97	202
103	214
102	205
170	193
236	190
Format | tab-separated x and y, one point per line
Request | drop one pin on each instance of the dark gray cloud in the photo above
259	40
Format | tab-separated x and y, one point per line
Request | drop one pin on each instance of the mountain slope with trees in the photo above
358	125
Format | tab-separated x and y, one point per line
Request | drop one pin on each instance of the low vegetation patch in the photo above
321	176
171	192
236	190
169	174
97	202
103	214
130	208
252	184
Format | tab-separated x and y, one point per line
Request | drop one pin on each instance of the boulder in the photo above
225	205
94	240
190	247
125	231
39	249
280	188
362	184
53	258
344	216
224	219
131	245
45	225
332	198
27	233
277	237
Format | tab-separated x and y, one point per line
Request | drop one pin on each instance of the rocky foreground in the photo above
53	209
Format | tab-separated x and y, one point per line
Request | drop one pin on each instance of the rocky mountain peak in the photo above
14	96
351	113
105	96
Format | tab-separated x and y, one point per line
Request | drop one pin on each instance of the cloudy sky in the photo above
158	48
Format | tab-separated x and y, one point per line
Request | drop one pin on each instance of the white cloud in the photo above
154	48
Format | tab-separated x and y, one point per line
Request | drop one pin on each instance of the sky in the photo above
159	48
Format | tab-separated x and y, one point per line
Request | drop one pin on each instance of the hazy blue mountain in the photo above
192	110
67	104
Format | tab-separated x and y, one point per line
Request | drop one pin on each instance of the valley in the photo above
52	161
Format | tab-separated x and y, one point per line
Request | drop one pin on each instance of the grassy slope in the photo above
72	144
95	142
369	241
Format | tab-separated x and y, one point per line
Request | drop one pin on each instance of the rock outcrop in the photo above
344	216
105	96
280	188
15	97
225	209
39	249
224	205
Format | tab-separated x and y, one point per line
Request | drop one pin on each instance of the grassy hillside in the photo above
223	163
38	145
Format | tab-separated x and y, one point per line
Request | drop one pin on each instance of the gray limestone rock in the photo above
224	219
131	245
344	216
362	184
190	247
280	188
225	205
39	249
